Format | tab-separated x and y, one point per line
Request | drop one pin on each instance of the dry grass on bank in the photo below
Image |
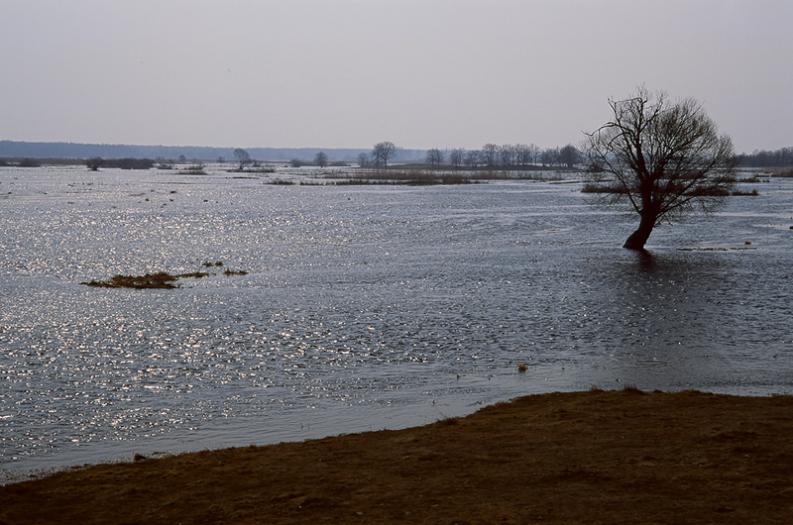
587	457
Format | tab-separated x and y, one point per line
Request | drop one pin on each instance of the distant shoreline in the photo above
597	456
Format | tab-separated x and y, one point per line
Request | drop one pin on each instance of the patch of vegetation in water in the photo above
138	282
742	193
786	173
254	169
29	163
609	187
398	181
159	280
714	191
196	169
194	275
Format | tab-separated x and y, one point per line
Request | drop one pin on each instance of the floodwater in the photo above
364	307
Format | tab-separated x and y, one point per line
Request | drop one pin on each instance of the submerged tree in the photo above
666	159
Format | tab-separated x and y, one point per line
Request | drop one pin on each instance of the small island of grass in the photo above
159	280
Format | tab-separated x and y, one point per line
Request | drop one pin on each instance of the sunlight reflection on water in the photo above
363	307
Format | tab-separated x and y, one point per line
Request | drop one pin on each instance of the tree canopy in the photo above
321	159
381	152
665	158
243	157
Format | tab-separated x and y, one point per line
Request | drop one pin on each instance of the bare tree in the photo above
243	157
523	155
490	154
321	159
535	153
506	155
381	152
94	163
456	157
472	158
363	160
569	156
666	159
549	156
434	157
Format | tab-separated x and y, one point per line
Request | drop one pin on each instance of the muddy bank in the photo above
589	457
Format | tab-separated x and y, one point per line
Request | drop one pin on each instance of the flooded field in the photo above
363	307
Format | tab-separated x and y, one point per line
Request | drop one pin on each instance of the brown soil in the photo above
589	457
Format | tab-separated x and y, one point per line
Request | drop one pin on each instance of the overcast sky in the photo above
347	73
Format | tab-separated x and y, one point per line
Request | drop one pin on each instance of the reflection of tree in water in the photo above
680	320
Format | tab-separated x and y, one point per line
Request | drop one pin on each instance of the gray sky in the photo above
347	73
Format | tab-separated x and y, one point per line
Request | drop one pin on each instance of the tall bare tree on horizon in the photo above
321	159
434	157
456	157
242	156
381	152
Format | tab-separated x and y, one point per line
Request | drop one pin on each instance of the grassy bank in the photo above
588	457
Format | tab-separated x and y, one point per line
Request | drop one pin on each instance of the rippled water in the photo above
365	306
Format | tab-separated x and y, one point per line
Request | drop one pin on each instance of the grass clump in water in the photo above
194	275
195	169
138	282
162	280
142	282
742	193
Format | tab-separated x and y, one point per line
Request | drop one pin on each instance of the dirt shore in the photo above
588	457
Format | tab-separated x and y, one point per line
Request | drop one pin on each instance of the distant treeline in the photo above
506	156
67	150
779	158
489	155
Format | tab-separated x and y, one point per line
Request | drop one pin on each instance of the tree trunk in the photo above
638	238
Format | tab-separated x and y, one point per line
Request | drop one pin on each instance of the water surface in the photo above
365	306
